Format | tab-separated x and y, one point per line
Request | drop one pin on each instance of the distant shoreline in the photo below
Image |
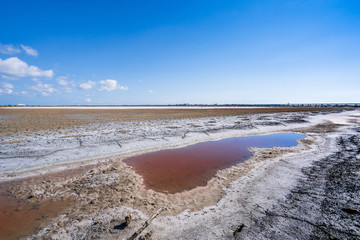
133	107
180	106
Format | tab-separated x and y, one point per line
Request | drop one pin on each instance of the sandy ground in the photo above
243	194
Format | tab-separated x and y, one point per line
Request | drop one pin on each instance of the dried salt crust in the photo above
233	196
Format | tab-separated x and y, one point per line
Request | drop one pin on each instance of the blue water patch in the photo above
267	141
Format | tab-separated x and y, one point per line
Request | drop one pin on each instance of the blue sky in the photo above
170	52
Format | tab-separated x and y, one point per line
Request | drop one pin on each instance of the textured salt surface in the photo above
51	150
267	181
250	199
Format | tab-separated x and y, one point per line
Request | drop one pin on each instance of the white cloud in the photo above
87	85
67	89
6	88
6	77
150	91
62	80
66	84
16	67
45	89
111	85
87	100
9	49
105	85
24	94
29	50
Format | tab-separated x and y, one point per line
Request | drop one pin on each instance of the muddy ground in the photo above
270	194
29	120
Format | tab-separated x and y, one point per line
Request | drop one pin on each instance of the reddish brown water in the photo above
21	217
177	170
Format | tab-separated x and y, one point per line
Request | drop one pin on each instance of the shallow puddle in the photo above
19	219
177	170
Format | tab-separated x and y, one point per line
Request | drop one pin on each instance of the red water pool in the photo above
177	170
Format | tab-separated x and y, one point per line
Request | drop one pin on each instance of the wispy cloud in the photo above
10	78
150	91
6	88
62	80
29	50
65	84
44	89
88	85
105	85
111	85
9	49
24	94
88	100
16	67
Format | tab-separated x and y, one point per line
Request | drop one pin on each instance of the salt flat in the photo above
48	137
111	190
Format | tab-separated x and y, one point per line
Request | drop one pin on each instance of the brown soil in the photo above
321	128
19	120
12	142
